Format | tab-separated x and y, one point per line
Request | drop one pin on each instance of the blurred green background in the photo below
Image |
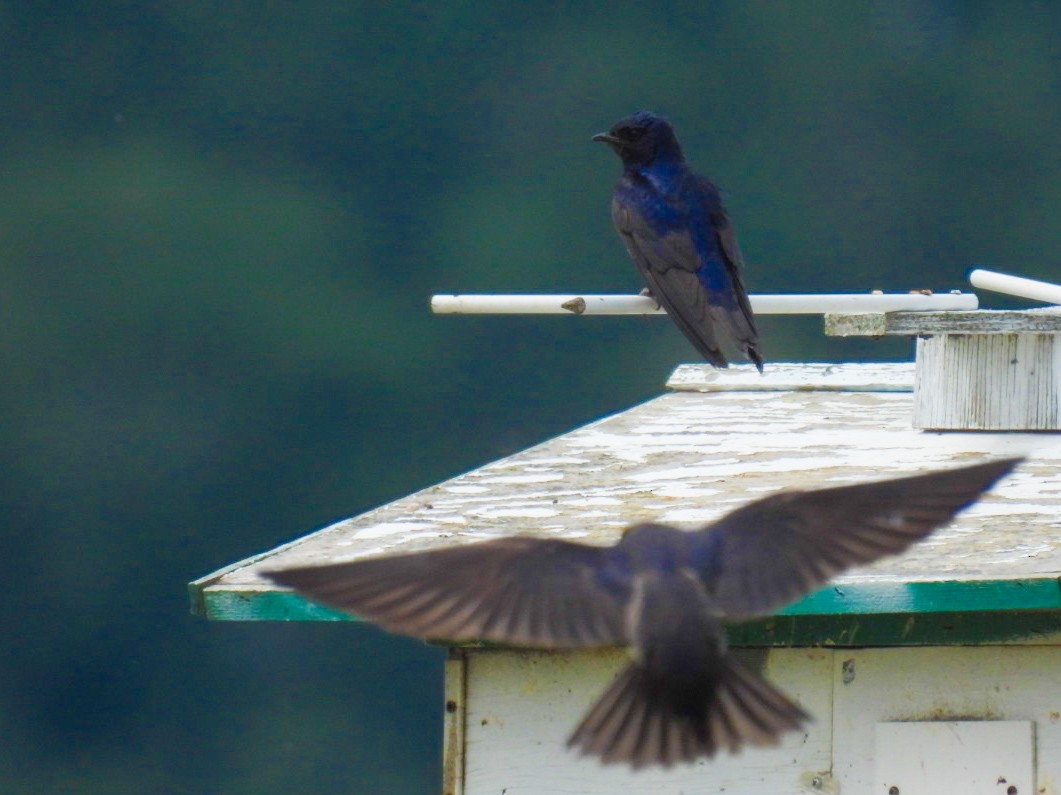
220	227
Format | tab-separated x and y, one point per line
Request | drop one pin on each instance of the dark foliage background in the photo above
220	224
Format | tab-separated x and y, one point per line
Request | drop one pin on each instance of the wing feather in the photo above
526	591
668	264
769	553
700	290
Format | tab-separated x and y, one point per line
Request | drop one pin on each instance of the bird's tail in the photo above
641	721
740	323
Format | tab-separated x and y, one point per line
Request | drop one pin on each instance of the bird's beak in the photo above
607	138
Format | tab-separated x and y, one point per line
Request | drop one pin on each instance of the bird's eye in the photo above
633	133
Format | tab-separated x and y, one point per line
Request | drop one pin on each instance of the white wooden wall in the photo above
518	708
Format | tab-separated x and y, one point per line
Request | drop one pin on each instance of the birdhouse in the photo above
937	671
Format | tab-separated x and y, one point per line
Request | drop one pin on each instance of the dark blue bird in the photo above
676	231
664	593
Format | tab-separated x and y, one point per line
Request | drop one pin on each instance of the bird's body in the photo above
676	230
663	592
684	696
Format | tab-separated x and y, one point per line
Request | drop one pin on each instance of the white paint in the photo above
784	376
644	305
529	477
688	457
962	683
971	757
1016	285
523	705
391	528
464	489
517	513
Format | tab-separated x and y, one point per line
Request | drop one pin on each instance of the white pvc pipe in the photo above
1016	285
643	305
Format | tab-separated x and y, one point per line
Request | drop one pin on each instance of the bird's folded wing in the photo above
769	553
742	322
524	591
669	264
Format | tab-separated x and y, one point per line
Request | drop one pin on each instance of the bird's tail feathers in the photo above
740	324
641	721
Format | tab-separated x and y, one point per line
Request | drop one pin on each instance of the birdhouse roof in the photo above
715	441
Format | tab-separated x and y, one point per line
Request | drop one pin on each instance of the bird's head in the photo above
642	139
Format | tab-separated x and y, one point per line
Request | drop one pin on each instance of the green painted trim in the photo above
931	596
837	630
935	613
261	606
1020	627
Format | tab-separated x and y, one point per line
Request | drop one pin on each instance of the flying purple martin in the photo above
676	231
663	592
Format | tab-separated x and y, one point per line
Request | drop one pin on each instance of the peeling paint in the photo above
689	457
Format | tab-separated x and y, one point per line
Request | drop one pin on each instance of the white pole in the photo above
643	305
1016	285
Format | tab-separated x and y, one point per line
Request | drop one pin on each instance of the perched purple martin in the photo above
676	231
661	591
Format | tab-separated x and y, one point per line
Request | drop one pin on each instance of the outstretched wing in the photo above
525	591
772	551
